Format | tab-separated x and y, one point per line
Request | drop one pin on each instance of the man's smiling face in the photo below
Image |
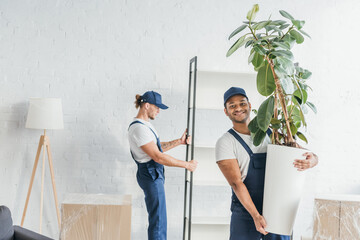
238	109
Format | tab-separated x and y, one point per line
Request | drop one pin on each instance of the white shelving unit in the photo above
211	86
207	167
206	123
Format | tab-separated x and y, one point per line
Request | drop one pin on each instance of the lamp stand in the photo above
44	143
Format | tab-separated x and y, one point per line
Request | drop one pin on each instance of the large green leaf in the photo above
298	37
265	113
302	117
296	114
278	22
251	56
260	49
289	39
293	129
287	85
304	109
298	24
236	45
275	123
261	24
306	74
276	29
302	31
265	80
285	64
282	27
286	14
259	137
252	13
301	136
299	69
257	68
283	45
283	53
236	31
312	106
300	96
253	125
258	60
270	27
276	126
268	37
280	72
249	42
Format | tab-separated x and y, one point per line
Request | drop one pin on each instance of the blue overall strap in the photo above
269	132
242	142
157	139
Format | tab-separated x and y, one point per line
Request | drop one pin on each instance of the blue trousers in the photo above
242	227
153	187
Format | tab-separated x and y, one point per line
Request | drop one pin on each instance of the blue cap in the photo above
232	92
153	98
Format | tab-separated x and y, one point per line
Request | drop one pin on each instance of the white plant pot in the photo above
283	188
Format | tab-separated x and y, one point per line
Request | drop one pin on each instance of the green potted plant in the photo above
284	84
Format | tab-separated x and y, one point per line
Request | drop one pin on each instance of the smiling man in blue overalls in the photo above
235	154
147	151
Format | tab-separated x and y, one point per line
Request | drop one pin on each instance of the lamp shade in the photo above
45	113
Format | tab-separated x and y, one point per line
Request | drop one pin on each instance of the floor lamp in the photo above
44	113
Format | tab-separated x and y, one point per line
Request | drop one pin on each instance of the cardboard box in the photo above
337	217
95	217
350	220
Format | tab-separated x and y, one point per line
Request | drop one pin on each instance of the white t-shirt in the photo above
139	135
227	147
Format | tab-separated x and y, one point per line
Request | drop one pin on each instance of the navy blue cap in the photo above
232	92
153	98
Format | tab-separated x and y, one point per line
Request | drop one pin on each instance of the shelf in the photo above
210	124
199	182
199	146
213	232
210	221
211	86
201	107
214	72
207	172
210	228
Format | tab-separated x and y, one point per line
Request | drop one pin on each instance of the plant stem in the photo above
287	31
280	93
253	33
275	139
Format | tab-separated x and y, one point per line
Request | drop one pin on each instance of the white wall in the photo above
96	55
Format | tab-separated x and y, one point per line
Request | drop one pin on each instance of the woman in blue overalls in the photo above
247	222
147	152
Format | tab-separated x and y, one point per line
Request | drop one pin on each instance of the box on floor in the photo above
97	217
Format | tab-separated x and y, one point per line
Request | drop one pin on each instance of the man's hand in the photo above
185	139
191	165
303	164
260	224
